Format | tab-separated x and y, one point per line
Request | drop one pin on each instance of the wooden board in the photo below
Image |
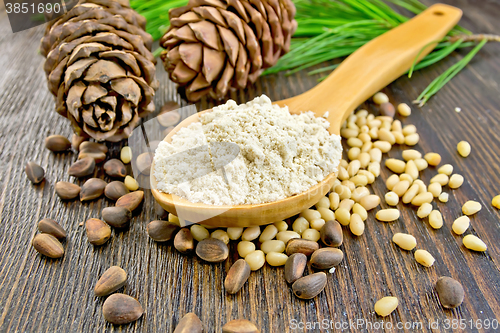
43	295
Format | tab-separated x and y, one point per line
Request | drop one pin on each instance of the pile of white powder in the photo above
280	155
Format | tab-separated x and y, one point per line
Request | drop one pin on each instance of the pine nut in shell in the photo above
121	309
245	247
326	258
212	250
387	215
115	190
386	305
98	232
309	286
239	326
461	224
34	172
51	227
405	241
57	143
255	259
66	190
456	181
131	201
450	292
295	266
276	258
111	280
48	245
237	276
471	207
297	245
463	148
424	210
189	323
331	234
184	241
474	243
424	258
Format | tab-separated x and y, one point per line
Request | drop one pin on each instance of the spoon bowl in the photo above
359	76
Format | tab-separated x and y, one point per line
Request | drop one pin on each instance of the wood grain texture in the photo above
38	294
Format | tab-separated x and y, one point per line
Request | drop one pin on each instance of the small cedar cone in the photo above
212	46
100	68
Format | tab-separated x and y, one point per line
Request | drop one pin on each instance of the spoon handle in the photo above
375	65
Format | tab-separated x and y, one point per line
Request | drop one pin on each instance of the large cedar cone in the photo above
100	68
212	46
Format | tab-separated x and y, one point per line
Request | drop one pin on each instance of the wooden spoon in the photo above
363	73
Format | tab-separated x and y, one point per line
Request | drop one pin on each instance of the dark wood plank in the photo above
42	295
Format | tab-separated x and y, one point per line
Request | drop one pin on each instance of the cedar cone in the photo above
212	46
100	68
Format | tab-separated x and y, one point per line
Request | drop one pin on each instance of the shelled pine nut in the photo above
422	198
387	215
421	185
409	129
424	258
474	243
272	245
410	194
375	155
396	126
221	235
370	201
334	200
440	178
276	259
359	180
346	204
356	225
463	148
342	173
405	176
471	207
447	169
250	233
411	169
268	233
436	219
285	236
404	241
311	234
199	232
386	135
301	224
360	210
404	109
461	224
435	189
326	214
281	226
433	158
443	197
421	164
384	146
354	142
364	159
245	247
343	216
319	223
323	203
401	187
380	98
391	198
310	214
399	136
358	193
412	139
391	182
385	306
374	168
349	133
350	185
255	260
234	233
495	202
456	181
353	168
424	210
411	154
395	165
